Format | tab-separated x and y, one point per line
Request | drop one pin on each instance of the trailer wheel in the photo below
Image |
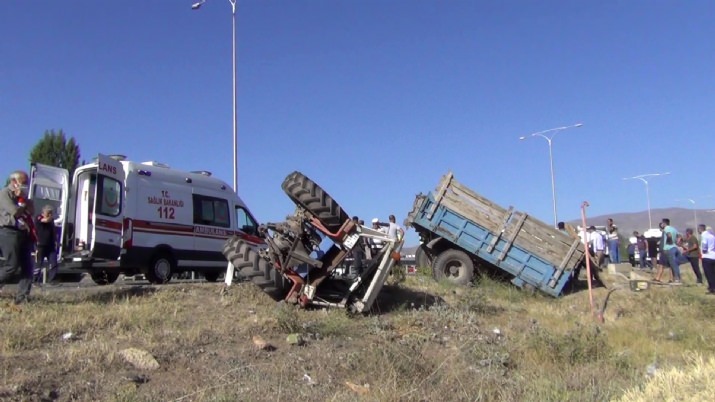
305	193
161	269
103	277
422	259
454	266
252	267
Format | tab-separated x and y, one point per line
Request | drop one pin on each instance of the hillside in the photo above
424	341
680	218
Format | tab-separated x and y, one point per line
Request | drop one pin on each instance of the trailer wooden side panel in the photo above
533	235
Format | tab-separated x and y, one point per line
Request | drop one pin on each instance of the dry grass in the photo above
424	341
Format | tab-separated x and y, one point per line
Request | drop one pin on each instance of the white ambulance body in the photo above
126	217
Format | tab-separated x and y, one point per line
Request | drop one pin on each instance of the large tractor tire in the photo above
252	267
305	193
454	266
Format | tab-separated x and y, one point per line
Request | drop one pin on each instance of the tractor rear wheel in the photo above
305	193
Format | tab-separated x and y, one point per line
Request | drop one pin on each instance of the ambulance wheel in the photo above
305	193
103	278
455	266
161	268
211	276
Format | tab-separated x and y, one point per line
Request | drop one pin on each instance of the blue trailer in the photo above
462	232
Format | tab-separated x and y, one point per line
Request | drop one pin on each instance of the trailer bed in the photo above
534	253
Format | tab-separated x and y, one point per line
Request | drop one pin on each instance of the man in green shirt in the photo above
671	250
691	249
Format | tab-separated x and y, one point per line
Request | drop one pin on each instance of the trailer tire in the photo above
305	193
252	267
161	269
103	278
422	258
454	266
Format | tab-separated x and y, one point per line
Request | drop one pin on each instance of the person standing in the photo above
707	247
15	235
671	249
394	231
631	254
642	248
613	243
597	245
47	242
691	249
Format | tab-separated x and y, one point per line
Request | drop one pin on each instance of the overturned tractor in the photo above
291	268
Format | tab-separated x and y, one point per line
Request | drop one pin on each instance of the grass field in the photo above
425	341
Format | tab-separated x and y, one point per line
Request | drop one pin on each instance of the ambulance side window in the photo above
245	222
211	211
109	194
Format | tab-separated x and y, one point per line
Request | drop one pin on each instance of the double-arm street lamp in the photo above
647	192
196	6
551	157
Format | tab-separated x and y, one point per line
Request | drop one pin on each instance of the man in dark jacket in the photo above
15	235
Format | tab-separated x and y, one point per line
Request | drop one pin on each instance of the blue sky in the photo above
376	99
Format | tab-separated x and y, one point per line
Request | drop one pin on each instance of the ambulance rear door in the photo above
109	197
49	185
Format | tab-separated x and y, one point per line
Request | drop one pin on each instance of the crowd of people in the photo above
661	250
369	246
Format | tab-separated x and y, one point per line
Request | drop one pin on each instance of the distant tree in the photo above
55	149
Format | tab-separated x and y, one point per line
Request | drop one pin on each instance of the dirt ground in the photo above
67	343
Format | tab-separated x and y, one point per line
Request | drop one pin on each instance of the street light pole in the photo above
647	192
551	158
196	6
695	211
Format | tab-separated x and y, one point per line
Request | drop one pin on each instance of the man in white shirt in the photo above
595	239
707	247
394	231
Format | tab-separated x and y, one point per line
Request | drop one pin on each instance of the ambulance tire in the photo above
454	266
161	269
305	193
211	276
103	278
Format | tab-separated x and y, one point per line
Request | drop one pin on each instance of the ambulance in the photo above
121	217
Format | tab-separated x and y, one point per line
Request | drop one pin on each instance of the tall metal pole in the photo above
647	196
647	191
235	106
551	159
553	183
196	6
